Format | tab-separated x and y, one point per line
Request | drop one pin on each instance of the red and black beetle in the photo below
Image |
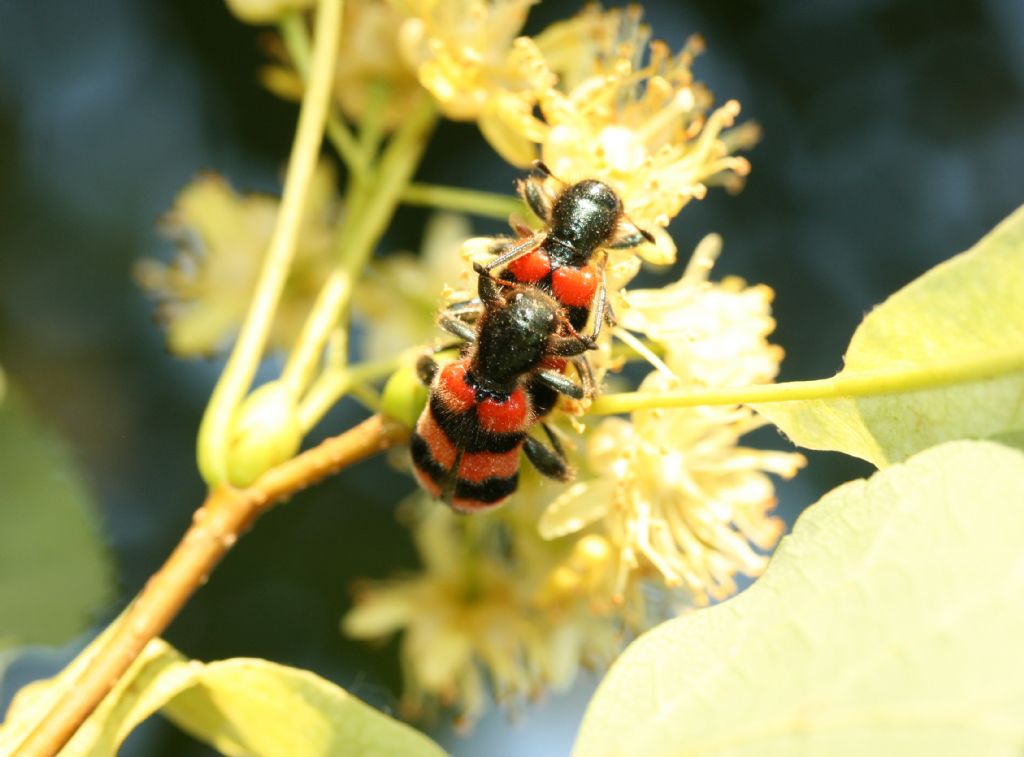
466	444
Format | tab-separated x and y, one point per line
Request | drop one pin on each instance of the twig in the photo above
216	526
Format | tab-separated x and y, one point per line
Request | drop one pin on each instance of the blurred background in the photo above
893	138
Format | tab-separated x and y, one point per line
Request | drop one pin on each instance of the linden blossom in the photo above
667	498
610	111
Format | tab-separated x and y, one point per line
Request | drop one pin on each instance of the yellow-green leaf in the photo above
247	706
240	707
54	571
204	293
131	700
966	311
889	623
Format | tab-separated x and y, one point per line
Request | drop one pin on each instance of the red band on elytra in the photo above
441	447
504	417
457	394
533	266
428	484
480	466
575	286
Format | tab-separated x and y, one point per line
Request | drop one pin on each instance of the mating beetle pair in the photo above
518	337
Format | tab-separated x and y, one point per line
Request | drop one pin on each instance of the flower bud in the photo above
265	432
592	551
563	582
404	397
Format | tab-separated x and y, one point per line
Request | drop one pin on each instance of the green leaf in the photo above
970	308
889	622
247	706
239	707
54	571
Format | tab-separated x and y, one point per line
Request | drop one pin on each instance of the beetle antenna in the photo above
480	270
643	232
541	166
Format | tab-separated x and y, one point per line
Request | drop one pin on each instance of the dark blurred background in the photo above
893	136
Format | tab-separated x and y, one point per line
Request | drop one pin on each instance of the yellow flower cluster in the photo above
476	618
671	490
667	499
613	105
204	292
646	128
593	96
371	75
460	50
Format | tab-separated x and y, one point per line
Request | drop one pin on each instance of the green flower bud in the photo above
265	433
404	397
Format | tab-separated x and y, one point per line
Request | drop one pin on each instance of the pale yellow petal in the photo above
380	612
576	508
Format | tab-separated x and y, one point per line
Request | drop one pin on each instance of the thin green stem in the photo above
334	383
640	350
362	230
296	41
345	145
336	351
485	204
292	27
873	384
321	321
367	395
373	370
371	127
621	350
234	382
325	392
